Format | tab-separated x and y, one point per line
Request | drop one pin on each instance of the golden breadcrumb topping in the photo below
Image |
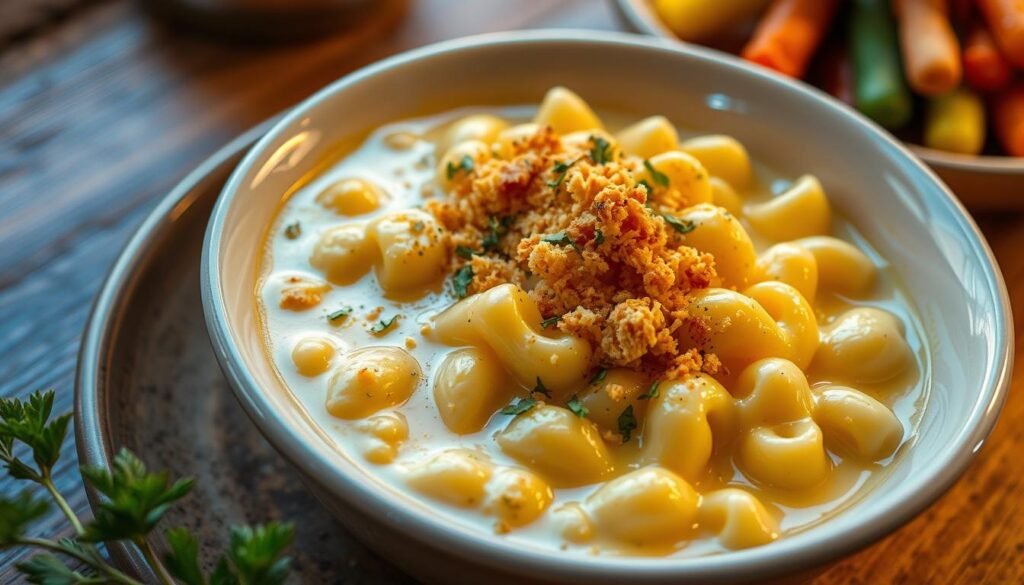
569	223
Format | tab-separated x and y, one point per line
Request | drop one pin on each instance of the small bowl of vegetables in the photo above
945	76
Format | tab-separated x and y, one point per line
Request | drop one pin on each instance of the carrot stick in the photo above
931	53
1005	19
880	90
955	122
985	67
1009	120
789	33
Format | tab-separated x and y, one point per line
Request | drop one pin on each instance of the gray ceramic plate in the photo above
148	381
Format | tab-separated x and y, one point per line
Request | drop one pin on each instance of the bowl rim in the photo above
639	16
94	442
804	551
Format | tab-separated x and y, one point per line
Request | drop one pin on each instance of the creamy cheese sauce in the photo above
400	159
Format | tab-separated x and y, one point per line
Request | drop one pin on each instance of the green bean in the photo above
880	91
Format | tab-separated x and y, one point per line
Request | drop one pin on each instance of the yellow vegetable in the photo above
696	20
956	123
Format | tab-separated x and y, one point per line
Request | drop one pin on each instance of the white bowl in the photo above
896	202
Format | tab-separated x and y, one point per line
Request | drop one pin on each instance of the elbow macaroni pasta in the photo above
445	357
506	320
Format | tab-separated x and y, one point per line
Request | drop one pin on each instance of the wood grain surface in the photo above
102	110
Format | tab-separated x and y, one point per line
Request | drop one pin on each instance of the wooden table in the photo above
102	110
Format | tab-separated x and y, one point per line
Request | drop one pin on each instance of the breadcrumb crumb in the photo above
300	294
580	238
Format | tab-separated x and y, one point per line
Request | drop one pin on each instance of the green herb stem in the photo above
112	573
62	503
154	562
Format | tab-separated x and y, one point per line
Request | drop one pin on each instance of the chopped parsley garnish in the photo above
383	325
461	281
599	376
339	314
550	321
518	407
293	230
495	231
627	423
598	237
682	226
466	164
464	252
577	407
652	392
560	170
657	176
561	238
600	153
540	388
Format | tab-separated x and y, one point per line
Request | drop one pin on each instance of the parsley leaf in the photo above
599	376
464	252
519	407
462	280
255	553
293	230
29	422
550	321
577	407
598	237
540	388
135	500
652	392
340	313
657	176
466	164
382	325
627	423
17	513
600	153
183	559
682	226
560	170
49	570
561	238
495	231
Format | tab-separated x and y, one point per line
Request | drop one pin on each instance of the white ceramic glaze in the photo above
899	205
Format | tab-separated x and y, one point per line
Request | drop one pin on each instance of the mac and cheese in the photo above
590	333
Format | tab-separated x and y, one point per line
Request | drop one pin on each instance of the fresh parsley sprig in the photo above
134	502
560	239
657	176
466	165
461	281
561	170
518	407
550	321
627	423
600	152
